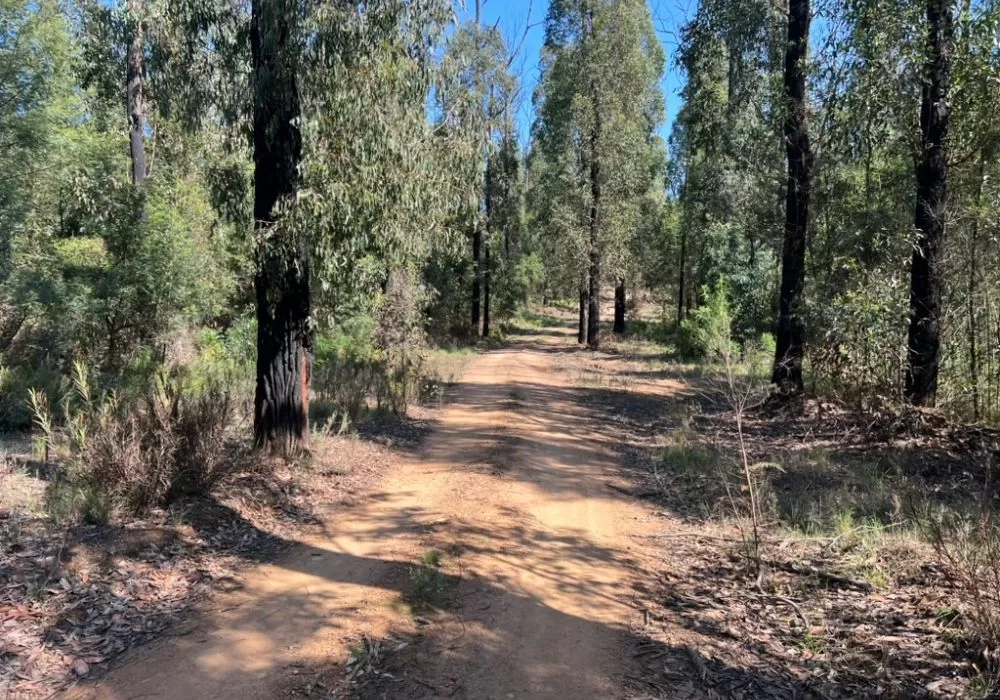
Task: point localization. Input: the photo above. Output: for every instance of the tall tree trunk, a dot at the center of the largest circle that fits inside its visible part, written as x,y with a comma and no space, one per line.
133,92
790,341
973,274
581,335
477,244
680,275
486,290
594,292
620,307
924,337
284,342
488,202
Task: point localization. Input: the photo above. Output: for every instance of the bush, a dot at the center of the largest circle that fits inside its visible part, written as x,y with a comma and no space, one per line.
133,454
15,383
346,370
399,338
707,334
968,548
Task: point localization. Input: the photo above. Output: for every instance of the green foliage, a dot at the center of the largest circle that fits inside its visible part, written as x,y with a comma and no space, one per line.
707,334
427,581
373,359
346,369
598,102
15,386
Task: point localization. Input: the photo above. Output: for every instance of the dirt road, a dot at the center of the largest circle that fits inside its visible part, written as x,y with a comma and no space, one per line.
539,555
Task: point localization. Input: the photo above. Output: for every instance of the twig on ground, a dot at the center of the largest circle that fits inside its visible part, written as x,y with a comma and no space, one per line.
808,570
697,661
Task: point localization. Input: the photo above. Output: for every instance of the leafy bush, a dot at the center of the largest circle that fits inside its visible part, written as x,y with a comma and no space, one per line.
346,370
15,383
399,338
707,334
377,359
131,454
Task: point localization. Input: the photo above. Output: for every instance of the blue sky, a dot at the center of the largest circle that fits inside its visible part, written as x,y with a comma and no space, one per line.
514,16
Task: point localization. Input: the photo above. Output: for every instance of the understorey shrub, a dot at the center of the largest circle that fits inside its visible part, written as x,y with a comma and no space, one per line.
373,360
400,339
698,337
968,548
121,455
346,368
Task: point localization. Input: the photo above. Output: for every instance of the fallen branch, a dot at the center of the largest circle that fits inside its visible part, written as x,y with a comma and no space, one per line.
696,535
697,661
807,570
647,493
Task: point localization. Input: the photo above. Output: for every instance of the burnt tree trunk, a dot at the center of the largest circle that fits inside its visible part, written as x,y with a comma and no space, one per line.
477,244
581,335
133,93
923,339
281,283
620,307
594,291
790,341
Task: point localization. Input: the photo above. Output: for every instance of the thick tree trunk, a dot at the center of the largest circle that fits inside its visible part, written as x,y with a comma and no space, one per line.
284,342
620,307
790,339
924,341
486,290
581,335
477,243
133,93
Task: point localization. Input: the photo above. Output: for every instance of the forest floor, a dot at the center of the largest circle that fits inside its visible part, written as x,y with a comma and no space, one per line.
556,529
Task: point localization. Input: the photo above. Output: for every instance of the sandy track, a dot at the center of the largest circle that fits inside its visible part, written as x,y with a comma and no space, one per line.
512,486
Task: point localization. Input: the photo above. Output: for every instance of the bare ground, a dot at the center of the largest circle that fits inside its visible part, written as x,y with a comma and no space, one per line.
536,544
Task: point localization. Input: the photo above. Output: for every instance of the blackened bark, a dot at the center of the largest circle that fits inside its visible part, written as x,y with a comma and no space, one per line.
594,291
594,301
620,307
477,243
281,283
581,335
790,339
486,290
924,341
133,93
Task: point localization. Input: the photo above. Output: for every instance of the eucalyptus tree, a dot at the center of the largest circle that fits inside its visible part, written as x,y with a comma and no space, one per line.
282,280
345,172
790,339
474,94
600,104
726,157
926,274
504,276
